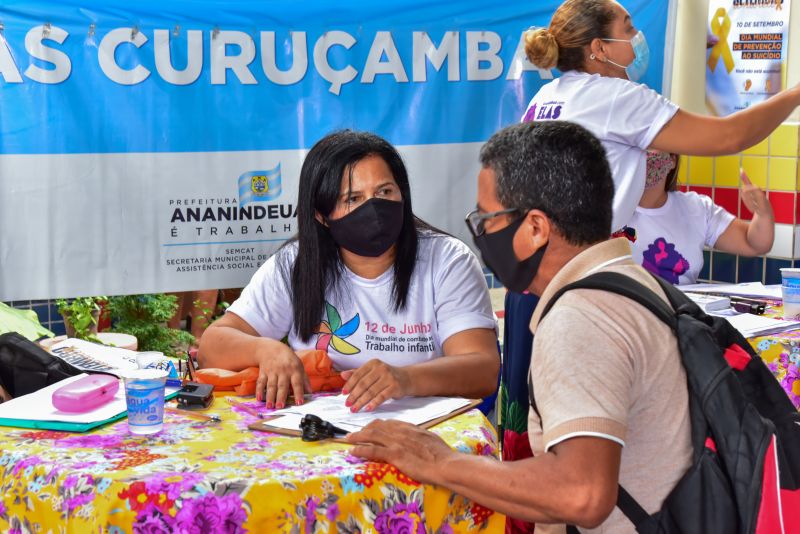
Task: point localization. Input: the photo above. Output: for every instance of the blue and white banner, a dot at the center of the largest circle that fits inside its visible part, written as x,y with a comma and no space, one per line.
156,146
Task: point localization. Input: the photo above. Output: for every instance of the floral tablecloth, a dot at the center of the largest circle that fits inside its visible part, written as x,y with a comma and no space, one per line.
781,353
198,477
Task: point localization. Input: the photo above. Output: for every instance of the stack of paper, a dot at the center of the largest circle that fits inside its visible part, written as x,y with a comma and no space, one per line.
710,303
757,325
415,410
749,289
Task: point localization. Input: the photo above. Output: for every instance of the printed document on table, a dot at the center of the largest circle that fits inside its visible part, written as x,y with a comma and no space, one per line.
93,357
415,410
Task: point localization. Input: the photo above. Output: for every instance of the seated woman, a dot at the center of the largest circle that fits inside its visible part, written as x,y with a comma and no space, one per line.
401,308
670,228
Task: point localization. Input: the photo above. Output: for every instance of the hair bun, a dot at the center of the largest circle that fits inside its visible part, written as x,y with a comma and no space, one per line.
541,48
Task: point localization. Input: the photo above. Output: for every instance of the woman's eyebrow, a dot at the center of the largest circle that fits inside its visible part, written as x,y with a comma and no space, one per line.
349,192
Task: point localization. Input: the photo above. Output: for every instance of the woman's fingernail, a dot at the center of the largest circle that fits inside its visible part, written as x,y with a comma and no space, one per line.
279,405
269,406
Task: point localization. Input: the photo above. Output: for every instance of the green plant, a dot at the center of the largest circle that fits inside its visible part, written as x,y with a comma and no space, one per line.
204,315
145,317
80,316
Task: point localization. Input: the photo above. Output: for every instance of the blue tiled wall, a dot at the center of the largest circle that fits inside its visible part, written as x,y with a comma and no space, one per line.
50,318
773,274
491,281
727,268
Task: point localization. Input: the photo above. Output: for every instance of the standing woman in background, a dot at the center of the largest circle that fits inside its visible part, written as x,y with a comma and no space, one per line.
601,56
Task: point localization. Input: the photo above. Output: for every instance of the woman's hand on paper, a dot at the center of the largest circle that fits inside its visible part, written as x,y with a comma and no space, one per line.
280,373
413,450
374,383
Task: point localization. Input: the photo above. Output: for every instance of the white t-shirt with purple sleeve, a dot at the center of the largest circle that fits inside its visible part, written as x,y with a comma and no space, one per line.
624,115
669,240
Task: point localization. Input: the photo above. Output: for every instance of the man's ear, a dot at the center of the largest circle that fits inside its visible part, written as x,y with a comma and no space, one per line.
540,227
320,219
534,233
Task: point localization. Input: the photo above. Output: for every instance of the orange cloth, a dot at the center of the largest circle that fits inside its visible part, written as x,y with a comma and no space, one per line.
320,371
241,382
317,364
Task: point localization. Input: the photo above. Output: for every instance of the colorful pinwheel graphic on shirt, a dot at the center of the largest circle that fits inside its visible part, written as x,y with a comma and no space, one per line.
332,332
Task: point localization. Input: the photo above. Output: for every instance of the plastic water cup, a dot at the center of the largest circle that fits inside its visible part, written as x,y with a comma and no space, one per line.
152,359
144,394
790,288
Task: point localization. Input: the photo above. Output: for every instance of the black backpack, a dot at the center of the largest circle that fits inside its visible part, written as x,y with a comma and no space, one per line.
25,367
745,432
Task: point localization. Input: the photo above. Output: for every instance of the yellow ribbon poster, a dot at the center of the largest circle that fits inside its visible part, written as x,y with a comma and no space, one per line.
746,51
721,27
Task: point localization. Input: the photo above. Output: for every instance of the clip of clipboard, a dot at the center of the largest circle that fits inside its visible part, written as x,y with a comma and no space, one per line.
264,426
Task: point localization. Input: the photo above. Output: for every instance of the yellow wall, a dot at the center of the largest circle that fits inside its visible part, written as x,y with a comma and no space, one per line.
772,164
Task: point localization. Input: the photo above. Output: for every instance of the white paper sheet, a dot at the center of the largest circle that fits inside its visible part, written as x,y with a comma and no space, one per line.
749,289
757,325
415,410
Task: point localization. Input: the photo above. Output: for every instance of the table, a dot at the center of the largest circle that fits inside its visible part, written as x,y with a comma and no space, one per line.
781,353
197,476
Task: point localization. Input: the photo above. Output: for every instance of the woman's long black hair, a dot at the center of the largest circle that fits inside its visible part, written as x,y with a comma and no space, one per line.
318,266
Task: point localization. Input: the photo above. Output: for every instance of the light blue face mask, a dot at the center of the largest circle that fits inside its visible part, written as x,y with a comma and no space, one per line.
641,58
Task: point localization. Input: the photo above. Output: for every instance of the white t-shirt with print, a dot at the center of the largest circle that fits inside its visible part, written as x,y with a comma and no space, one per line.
670,239
624,115
447,295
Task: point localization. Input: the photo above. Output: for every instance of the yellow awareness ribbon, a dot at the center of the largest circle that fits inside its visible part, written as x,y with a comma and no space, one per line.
721,30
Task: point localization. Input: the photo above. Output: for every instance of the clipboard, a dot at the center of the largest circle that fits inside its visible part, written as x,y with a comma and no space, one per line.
264,426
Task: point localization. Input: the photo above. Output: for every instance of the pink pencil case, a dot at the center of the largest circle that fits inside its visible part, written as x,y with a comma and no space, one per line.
86,394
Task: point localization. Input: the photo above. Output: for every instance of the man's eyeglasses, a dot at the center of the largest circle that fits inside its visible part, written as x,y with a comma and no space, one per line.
476,221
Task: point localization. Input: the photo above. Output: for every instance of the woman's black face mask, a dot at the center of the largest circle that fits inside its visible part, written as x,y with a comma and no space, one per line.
369,230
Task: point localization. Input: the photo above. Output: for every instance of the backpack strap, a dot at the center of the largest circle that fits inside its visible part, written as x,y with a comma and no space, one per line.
630,507
630,288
